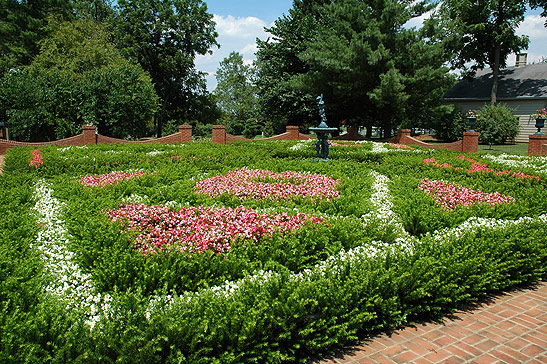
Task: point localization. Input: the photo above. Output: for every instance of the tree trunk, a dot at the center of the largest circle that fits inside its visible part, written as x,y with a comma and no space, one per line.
495,74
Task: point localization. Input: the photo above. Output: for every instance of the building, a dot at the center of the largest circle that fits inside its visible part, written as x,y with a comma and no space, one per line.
523,88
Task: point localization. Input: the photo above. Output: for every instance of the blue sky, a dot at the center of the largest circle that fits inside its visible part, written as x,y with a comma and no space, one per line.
240,22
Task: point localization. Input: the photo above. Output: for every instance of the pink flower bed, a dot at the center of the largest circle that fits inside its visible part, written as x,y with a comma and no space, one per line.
109,178
477,167
400,146
450,196
196,229
36,160
262,184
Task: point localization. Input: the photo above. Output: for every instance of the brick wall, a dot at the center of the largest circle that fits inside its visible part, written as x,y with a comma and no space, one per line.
89,135
469,143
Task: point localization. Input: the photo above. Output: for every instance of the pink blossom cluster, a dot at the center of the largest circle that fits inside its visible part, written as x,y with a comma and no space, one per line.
450,196
400,146
36,160
478,167
334,144
196,229
109,178
263,184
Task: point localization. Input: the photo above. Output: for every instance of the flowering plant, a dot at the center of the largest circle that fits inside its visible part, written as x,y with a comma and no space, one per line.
472,114
263,184
109,178
540,113
36,159
201,228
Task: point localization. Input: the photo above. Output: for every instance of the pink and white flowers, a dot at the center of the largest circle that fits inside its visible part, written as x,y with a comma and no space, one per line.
109,178
450,195
264,184
196,229
36,159
477,167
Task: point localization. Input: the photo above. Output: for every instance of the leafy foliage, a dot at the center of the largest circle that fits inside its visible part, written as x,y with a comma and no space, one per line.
164,37
371,70
23,24
235,92
78,79
482,33
280,299
497,125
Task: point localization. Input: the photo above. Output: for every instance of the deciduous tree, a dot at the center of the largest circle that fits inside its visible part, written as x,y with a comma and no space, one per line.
482,33
235,92
78,78
164,36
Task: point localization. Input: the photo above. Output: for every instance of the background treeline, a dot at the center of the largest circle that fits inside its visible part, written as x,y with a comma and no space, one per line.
128,66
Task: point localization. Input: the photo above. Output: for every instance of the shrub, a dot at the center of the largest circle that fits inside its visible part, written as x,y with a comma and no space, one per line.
450,126
497,125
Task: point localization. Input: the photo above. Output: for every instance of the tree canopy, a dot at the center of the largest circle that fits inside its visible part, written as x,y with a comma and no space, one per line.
79,78
482,33
235,91
371,70
164,36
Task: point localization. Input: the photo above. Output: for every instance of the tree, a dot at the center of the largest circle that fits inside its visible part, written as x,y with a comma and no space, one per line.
371,70
98,10
164,36
534,4
278,62
482,33
23,25
235,92
78,78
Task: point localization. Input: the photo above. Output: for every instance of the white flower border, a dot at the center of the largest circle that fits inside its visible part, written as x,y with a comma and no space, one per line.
64,277
76,288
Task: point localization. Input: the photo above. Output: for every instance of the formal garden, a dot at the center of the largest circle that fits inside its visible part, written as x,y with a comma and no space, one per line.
252,252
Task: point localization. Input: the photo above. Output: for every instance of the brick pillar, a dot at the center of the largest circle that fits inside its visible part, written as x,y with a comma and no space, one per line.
470,142
536,143
402,134
219,134
185,132
293,132
90,134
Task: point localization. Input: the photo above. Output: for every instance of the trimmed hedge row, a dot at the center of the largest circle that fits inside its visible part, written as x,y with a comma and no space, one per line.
381,259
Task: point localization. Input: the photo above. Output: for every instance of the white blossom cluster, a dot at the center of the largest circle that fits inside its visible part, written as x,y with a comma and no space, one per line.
155,152
382,215
304,144
536,163
71,147
134,198
475,224
63,275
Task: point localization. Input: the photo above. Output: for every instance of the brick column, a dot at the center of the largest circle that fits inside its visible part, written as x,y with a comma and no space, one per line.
293,132
402,134
185,132
536,144
470,142
90,134
219,134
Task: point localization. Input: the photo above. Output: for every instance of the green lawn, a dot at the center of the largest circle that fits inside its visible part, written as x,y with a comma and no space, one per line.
517,148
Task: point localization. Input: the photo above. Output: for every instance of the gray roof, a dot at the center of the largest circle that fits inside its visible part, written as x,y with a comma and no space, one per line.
514,82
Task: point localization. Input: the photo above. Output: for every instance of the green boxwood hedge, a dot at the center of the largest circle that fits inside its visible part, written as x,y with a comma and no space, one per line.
385,256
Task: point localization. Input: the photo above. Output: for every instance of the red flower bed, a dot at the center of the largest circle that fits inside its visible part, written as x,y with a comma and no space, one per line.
196,229
262,184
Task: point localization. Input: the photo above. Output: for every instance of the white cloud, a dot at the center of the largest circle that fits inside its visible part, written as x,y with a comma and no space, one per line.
234,35
239,28
533,26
